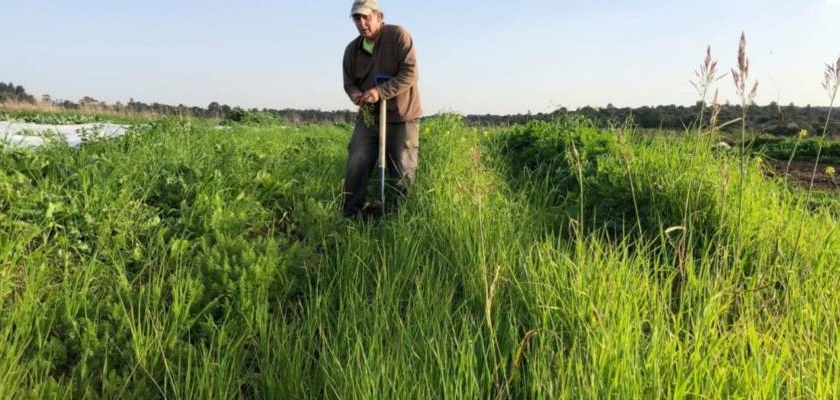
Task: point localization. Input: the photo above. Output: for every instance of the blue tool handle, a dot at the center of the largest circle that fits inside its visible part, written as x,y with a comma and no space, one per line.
379,79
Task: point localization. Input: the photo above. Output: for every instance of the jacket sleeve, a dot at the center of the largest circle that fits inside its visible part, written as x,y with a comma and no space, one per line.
348,66
407,75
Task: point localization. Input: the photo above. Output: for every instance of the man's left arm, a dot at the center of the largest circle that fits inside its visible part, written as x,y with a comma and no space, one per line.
407,75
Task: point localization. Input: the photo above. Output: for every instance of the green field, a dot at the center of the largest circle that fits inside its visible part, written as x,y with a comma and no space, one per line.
547,260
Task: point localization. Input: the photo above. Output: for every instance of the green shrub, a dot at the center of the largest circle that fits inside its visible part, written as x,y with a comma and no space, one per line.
251,118
570,155
806,150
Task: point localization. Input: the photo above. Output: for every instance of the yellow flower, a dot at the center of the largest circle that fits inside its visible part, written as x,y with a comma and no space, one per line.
803,134
829,170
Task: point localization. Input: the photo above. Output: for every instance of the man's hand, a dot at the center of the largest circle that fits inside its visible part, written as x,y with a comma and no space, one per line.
371,96
356,98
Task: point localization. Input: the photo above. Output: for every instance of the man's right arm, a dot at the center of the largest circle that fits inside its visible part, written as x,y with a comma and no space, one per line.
350,87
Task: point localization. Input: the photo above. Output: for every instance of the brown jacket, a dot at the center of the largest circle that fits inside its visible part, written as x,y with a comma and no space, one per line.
393,55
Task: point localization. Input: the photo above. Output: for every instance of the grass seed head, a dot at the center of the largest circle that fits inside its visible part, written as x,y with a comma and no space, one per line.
832,78
737,79
743,61
706,74
741,75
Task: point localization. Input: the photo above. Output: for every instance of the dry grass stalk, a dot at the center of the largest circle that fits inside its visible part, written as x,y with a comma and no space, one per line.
741,77
51,107
523,345
491,293
715,111
14,106
830,83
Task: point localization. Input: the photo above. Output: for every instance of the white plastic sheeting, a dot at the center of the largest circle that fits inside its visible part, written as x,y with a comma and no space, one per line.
31,135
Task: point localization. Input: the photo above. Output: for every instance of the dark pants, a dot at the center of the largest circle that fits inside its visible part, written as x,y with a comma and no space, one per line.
401,146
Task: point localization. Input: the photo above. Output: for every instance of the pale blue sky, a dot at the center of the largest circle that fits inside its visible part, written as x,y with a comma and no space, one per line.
487,56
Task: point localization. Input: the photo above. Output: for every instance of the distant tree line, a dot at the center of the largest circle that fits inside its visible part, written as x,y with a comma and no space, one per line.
213,110
11,93
771,118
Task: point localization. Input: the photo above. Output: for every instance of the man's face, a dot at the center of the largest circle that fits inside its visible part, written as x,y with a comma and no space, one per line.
368,25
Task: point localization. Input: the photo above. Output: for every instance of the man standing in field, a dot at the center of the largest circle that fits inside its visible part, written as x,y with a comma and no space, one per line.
380,50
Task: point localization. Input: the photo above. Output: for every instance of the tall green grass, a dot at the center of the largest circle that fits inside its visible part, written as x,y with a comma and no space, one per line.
552,260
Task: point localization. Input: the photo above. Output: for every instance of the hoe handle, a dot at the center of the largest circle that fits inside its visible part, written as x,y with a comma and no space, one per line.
382,125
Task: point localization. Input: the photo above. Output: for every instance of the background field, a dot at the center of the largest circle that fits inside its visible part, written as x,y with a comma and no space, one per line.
545,260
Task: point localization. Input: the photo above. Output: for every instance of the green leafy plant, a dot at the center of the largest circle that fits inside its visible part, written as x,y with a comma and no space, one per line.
366,111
